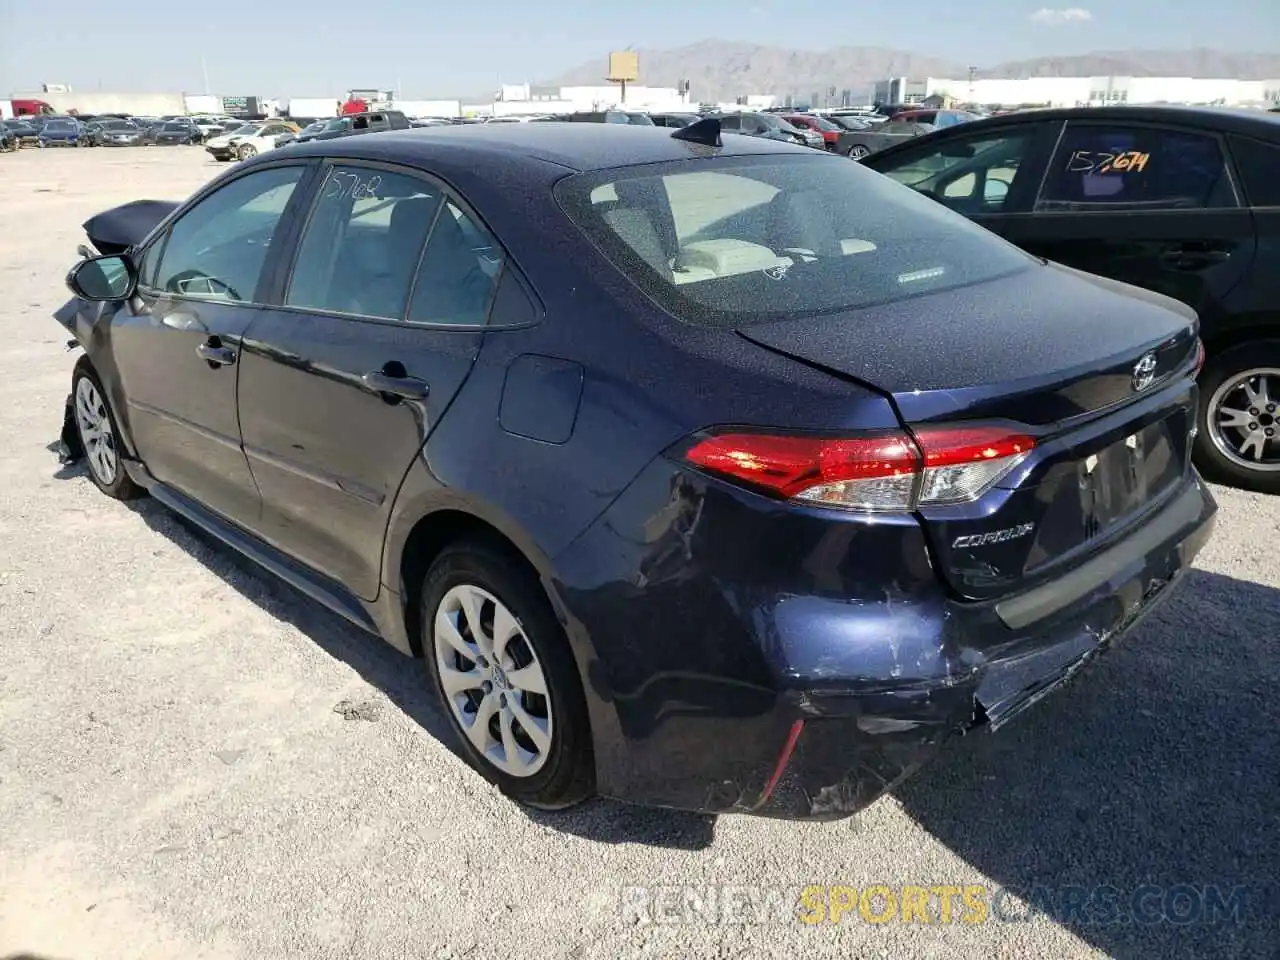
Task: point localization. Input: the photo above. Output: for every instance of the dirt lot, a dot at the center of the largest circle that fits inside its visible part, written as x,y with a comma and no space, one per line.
197,762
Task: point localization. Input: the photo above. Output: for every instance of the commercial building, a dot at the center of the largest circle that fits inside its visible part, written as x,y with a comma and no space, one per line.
1082,91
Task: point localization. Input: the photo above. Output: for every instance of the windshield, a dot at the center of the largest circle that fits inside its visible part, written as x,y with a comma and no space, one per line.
826,126
174,127
780,124
56,125
247,130
338,123
118,125
766,238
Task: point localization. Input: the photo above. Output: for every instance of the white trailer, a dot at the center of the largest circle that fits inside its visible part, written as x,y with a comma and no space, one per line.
6,110
317,107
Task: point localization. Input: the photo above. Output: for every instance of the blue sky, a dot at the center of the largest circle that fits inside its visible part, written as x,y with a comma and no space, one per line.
444,47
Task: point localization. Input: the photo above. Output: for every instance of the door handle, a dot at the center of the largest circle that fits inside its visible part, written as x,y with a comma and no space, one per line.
1191,258
213,351
386,384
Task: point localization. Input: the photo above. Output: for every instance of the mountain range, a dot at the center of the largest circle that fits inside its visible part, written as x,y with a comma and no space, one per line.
719,70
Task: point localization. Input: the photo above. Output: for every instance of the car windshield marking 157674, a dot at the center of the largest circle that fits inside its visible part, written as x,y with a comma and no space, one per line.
713,473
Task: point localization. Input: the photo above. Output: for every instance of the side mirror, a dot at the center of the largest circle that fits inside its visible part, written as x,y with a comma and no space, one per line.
102,279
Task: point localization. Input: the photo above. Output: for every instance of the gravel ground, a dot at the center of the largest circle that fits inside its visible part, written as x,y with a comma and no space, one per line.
197,762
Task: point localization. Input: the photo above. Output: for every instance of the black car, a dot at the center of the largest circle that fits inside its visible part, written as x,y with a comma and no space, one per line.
714,473
1182,201
23,132
675,120
176,132
115,133
862,143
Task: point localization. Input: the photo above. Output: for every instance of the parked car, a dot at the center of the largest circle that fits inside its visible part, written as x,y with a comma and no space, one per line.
683,475
938,119
63,132
849,121
828,131
25,134
862,143
770,127
1179,200
626,117
115,133
675,120
357,123
8,140
249,141
176,133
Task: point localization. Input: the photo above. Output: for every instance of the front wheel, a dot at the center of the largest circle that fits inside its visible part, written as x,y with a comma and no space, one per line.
246,151
1238,441
99,435
502,667
858,151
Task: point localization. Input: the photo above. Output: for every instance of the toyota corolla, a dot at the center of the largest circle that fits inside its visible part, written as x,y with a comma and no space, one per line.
715,474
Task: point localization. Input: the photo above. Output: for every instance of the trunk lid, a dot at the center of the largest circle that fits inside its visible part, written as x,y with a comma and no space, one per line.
1098,372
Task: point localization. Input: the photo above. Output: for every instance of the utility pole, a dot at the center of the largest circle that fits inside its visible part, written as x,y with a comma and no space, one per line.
204,69
973,72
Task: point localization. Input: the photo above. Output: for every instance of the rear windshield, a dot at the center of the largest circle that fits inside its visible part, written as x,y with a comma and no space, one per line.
723,242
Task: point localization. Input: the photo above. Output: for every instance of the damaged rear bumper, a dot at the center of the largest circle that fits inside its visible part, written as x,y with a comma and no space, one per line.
846,747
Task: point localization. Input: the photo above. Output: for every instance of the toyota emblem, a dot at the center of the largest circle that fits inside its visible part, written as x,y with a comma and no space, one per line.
1144,372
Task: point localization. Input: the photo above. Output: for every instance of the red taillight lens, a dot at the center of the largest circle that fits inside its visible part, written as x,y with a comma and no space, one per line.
885,472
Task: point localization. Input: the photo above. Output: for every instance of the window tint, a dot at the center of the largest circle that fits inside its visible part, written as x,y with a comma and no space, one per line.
765,238
1135,168
1258,164
362,242
459,272
219,246
973,175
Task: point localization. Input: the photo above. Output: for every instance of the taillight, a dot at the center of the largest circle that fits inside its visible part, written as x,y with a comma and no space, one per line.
888,472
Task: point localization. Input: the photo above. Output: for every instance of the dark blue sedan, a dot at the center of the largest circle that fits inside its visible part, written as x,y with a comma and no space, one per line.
722,475
63,133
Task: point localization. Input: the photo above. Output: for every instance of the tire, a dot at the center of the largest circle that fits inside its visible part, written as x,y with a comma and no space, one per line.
559,772
92,414
858,151
1235,448
247,151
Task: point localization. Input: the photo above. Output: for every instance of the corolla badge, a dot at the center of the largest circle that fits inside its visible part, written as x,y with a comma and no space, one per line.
1144,372
992,536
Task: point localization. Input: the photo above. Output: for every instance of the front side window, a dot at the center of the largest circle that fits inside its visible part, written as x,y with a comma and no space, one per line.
218,248
363,242
1103,167
766,238
973,174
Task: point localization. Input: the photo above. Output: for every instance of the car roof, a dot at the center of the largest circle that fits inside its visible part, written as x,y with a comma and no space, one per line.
1233,120
575,146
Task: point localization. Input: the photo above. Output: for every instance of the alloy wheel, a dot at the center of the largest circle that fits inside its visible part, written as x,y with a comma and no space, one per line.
857,152
1244,419
95,432
492,680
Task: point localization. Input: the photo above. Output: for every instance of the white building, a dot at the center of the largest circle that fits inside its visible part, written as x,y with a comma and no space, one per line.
523,99
1082,91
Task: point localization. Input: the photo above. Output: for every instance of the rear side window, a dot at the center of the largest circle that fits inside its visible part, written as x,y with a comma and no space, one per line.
1108,168
764,238
362,243
459,272
1259,166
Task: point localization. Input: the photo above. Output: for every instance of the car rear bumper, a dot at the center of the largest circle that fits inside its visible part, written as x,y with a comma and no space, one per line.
801,705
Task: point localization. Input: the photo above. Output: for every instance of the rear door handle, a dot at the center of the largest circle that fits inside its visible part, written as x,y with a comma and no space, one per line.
409,388
1191,258
216,353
